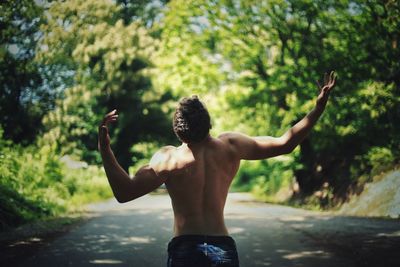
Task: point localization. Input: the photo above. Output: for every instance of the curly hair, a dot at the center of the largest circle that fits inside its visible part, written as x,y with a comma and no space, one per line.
191,120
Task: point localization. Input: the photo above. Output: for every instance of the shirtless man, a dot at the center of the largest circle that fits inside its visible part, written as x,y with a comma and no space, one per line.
198,174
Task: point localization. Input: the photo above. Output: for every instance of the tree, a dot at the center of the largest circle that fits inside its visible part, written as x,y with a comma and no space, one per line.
25,96
110,61
260,59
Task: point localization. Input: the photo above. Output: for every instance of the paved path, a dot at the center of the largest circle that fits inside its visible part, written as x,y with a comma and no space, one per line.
137,233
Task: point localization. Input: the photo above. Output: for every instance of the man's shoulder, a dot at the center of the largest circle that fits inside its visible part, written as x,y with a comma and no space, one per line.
230,141
230,137
166,149
162,154
159,161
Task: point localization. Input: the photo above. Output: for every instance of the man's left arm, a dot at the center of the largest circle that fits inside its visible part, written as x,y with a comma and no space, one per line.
262,147
124,187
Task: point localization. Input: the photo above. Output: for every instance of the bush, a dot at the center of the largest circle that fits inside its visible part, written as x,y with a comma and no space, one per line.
372,163
35,184
380,159
266,179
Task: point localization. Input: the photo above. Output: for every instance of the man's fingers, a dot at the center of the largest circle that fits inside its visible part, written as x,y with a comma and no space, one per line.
111,113
319,86
333,82
114,117
331,76
110,118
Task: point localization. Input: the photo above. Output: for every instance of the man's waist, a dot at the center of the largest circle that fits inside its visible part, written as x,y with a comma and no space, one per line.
202,239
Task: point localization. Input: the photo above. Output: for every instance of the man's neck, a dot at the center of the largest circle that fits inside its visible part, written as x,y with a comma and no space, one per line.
198,144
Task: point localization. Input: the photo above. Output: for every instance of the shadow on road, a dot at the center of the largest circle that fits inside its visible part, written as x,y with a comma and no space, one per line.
363,241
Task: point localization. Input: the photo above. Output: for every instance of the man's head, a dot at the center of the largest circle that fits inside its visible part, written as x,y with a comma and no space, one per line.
191,120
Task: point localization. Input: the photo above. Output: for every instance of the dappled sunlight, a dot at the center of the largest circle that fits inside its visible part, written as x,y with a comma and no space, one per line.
293,218
112,226
302,225
309,238
152,203
166,215
393,234
282,251
137,240
106,261
262,263
323,217
235,230
238,216
120,238
305,254
25,242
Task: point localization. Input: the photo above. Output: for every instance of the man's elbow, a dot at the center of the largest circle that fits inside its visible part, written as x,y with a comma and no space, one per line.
123,198
288,148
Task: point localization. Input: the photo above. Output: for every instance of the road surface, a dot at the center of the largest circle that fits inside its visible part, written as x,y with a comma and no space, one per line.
137,233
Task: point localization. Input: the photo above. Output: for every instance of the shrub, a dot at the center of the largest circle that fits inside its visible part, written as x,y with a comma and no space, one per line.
34,184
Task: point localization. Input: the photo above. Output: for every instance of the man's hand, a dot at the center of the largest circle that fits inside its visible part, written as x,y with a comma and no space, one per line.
104,137
329,83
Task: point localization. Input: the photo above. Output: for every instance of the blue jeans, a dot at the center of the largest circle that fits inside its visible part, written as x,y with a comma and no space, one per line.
202,251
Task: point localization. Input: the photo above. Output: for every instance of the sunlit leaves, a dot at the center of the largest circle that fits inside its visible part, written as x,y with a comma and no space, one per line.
379,99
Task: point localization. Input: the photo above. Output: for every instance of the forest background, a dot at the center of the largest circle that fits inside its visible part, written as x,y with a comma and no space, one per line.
64,64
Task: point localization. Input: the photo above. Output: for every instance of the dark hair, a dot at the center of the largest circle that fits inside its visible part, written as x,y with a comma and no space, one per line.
191,120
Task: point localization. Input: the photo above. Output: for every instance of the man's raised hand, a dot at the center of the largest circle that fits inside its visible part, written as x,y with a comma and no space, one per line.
104,137
329,83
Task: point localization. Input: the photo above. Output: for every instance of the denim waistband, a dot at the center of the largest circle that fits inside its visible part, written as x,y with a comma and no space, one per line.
211,239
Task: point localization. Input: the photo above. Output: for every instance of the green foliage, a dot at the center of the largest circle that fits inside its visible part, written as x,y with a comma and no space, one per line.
35,184
86,186
111,63
142,153
24,94
270,180
380,158
376,161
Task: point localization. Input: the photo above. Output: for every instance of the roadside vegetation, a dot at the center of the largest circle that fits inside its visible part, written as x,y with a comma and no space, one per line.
36,184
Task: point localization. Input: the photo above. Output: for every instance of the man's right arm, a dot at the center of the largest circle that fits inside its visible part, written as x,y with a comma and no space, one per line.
124,187
253,148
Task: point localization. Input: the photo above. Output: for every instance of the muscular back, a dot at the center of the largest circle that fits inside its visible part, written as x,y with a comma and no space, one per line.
198,178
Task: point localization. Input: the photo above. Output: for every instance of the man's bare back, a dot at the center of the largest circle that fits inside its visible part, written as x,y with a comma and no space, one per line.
198,177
